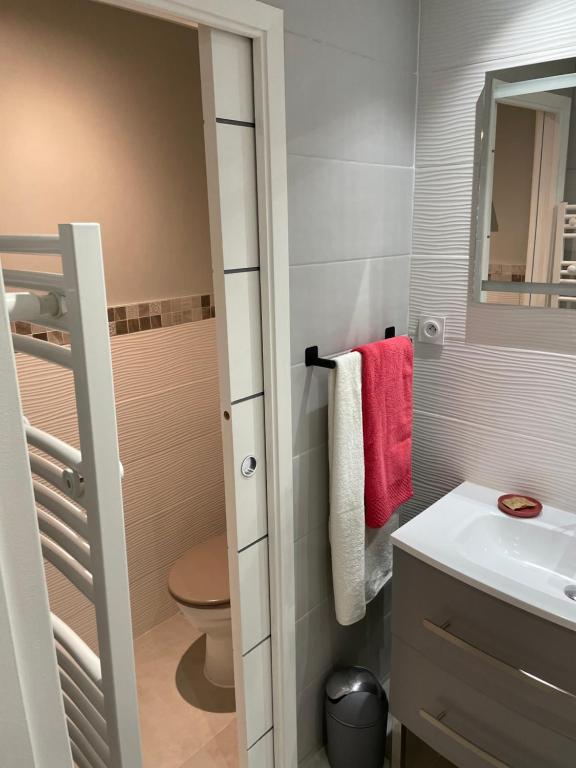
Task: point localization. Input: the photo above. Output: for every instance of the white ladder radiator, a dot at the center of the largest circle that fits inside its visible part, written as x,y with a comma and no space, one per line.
78,492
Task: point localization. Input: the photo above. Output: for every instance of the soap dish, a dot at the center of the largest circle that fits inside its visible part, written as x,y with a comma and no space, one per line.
526,511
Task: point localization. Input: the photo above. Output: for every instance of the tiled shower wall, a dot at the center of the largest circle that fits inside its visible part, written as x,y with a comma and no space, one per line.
167,405
488,414
351,92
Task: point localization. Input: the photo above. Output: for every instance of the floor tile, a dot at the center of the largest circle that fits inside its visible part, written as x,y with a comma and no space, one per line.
220,752
184,720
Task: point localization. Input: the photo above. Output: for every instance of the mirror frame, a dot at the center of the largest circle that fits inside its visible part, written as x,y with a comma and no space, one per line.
507,92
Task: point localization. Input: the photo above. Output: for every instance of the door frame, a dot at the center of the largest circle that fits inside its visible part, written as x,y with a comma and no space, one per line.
264,24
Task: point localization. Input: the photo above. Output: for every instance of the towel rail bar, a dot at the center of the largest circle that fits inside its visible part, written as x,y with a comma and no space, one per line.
78,494
90,713
312,358
65,480
89,755
65,537
54,447
30,244
82,654
45,350
86,729
38,281
75,672
68,566
72,516
79,758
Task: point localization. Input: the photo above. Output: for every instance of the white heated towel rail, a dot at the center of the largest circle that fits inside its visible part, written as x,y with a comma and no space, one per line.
565,232
78,492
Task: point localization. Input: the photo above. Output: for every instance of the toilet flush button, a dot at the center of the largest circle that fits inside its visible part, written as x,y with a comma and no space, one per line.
248,466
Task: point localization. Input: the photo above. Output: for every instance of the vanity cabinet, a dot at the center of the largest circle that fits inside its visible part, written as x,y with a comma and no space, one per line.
483,682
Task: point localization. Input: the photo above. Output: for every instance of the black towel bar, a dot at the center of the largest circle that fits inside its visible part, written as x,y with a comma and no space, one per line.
311,357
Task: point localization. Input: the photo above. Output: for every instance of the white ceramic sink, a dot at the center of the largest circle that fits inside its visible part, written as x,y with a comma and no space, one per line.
528,563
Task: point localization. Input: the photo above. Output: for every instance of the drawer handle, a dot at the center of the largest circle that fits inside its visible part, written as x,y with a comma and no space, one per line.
436,722
495,662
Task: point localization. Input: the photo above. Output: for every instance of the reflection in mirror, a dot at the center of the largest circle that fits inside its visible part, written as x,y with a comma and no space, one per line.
526,219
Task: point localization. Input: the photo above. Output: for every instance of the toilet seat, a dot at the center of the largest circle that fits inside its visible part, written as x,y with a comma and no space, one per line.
200,577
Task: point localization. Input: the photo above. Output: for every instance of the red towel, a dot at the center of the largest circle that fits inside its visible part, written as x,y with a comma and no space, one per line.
387,368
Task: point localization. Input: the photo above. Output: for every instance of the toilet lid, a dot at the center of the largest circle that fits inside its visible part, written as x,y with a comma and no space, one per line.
200,577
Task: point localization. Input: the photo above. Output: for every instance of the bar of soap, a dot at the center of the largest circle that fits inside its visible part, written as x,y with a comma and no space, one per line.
518,502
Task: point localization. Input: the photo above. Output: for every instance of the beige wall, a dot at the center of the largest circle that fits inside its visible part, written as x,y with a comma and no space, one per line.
166,386
101,120
512,191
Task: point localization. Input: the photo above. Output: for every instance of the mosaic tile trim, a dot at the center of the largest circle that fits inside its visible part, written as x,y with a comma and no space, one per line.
134,318
131,318
515,273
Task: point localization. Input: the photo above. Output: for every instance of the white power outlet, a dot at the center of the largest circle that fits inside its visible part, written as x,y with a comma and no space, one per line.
431,329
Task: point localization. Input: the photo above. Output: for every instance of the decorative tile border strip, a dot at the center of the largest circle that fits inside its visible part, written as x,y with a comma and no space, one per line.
133,318
515,273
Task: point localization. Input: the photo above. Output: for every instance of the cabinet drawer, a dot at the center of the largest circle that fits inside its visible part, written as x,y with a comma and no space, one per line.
518,659
463,724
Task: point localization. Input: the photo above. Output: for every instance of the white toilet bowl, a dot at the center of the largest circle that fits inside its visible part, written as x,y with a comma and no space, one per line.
216,624
198,582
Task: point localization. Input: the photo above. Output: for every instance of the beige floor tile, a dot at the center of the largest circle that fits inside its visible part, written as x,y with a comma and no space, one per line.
180,712
221,752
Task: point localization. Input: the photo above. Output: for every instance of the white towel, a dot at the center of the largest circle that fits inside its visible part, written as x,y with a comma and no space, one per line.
361,556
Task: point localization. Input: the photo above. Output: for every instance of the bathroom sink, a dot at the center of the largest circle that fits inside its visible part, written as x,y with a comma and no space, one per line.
530,563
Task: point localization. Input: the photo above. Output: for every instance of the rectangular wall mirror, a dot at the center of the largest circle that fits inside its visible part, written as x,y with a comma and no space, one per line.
525,253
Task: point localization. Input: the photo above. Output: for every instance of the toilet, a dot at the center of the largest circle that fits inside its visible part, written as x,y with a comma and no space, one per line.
198,582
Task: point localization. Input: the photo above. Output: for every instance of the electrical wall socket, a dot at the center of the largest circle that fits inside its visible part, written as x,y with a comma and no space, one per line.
432,329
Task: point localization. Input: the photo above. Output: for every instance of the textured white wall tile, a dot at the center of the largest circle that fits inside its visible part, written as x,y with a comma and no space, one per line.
489,414
347,303
160,536
361,211
448,451
351,108
442,210
448,103
446,123
156,359
439,286
457,32
255,594
157,421
172,475
511,390
550,330
238,200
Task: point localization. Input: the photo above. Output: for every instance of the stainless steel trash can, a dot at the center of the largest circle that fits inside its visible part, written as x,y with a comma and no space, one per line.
356,708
